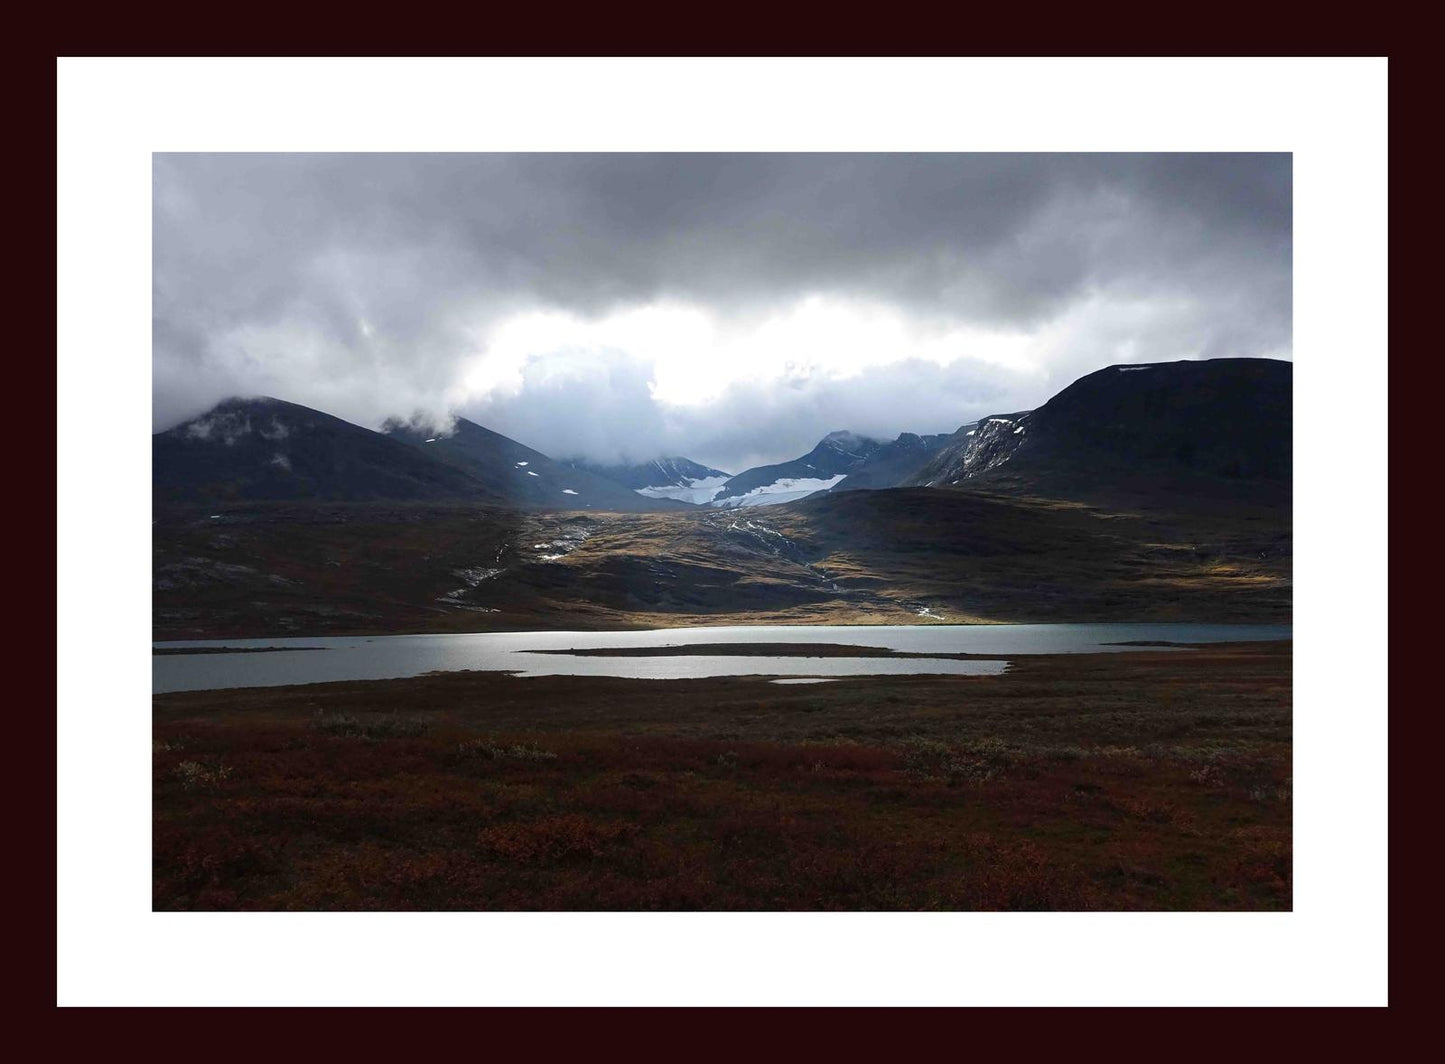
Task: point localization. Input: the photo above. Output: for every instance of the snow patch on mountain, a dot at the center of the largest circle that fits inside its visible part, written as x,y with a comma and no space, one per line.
828,463
788,489
694,490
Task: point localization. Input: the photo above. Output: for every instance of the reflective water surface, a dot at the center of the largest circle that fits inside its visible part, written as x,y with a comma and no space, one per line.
390,657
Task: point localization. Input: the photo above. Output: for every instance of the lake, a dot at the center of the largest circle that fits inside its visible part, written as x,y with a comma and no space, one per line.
332,659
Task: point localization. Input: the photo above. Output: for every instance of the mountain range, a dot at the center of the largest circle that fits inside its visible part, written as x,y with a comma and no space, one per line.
510,472
265,449
1138,492
1179,426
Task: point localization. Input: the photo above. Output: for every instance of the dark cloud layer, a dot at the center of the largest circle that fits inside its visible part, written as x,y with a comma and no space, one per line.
368,285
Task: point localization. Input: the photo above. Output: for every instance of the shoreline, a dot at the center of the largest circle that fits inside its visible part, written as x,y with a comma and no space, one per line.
742,623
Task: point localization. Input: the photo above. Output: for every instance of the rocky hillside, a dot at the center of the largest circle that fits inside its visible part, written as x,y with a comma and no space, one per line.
894,463
1186,426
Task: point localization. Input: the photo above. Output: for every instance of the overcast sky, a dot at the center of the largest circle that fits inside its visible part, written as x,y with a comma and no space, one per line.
731,308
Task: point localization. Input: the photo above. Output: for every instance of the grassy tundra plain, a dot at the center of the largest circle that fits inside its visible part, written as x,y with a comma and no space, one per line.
1134,780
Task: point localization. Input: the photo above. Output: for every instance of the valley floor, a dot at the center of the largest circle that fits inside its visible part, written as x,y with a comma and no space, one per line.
1120,781
866,557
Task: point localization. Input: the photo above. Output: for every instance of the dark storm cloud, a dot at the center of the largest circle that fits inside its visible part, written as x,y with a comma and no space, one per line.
366,284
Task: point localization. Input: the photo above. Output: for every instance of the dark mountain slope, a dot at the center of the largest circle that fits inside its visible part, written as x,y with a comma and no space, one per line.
1216,426
893,463
260,449
519,475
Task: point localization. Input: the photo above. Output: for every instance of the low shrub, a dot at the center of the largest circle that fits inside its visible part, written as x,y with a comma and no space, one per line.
975,762
194,774
488,749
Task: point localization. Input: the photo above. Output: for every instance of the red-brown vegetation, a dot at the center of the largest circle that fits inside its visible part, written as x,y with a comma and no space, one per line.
1011,792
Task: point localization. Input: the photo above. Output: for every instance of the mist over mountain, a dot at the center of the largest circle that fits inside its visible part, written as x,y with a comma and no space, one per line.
518,474
264,448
